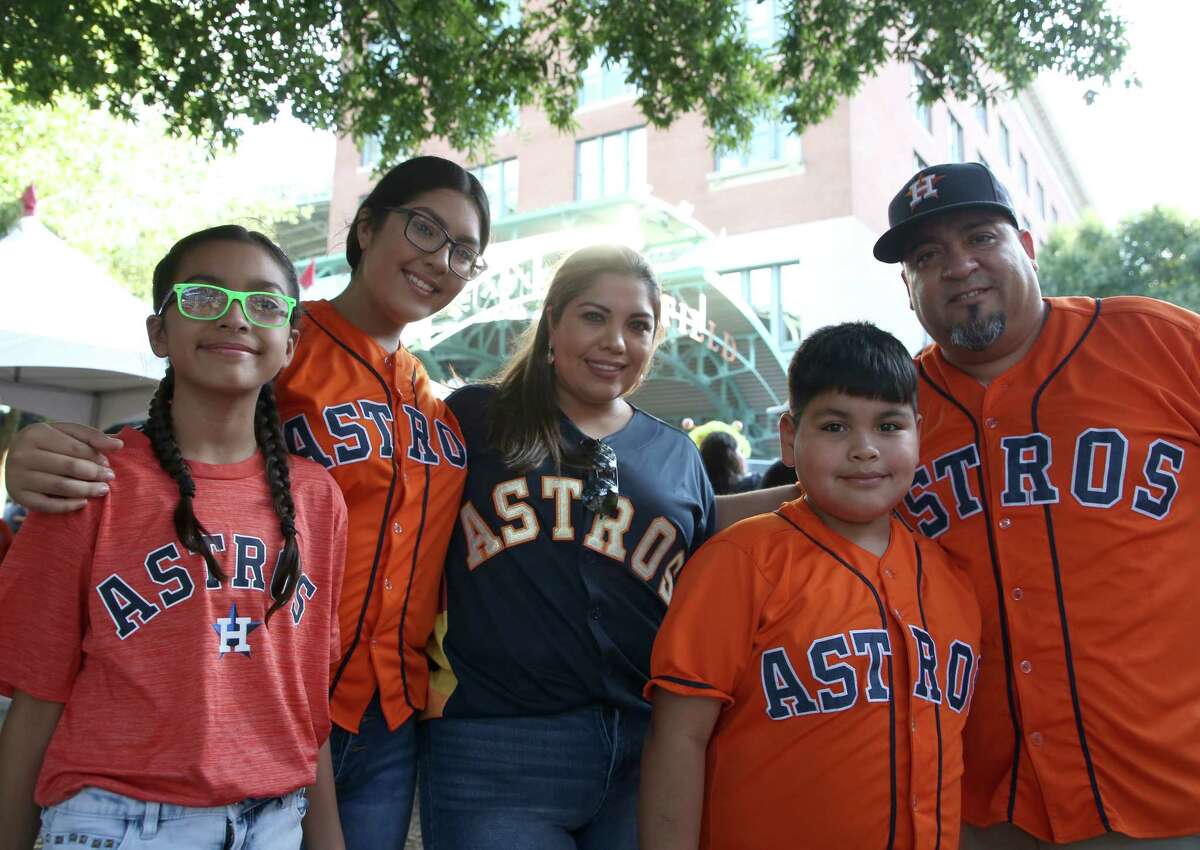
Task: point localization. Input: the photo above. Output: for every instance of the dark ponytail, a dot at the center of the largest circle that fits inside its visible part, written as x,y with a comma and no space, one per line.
268,432
159,430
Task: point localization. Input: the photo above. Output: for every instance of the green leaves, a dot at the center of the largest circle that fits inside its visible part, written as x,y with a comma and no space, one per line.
1154,253
121,193
410,70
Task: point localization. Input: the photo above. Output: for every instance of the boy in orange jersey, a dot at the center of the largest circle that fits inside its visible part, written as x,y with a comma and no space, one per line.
814,671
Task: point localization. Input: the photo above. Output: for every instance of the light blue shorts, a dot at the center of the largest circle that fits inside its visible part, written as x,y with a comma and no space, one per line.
106,821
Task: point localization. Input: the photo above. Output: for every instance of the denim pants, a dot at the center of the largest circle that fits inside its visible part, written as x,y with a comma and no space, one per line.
95,818
375,774
566,782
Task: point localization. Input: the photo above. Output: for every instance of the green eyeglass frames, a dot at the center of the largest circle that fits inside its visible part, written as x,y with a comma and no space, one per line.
208,302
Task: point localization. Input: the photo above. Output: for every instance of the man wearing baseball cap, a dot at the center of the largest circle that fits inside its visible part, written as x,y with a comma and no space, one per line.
1054,444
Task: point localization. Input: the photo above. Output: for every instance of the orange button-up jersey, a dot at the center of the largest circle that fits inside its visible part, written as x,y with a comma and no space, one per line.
1062,486
845,679
396,451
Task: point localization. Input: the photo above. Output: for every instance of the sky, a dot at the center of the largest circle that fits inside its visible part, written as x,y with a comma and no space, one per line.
1136,147
1133,147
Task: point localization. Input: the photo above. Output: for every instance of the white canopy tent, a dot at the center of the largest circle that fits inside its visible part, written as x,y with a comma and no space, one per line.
72,340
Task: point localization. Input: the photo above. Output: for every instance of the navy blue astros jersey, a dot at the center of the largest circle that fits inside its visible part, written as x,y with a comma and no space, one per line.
549,606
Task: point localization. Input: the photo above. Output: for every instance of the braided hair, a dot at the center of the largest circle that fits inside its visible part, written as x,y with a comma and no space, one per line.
268,432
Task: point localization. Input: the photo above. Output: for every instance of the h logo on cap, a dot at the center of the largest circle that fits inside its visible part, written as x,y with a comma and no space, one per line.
923,187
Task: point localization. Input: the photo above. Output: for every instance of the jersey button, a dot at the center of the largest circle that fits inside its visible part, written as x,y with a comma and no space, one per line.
1026,667
1035,738
1017,593
594,613
397,527
992,422
887,573
1005,522
913,725
387,584
914,802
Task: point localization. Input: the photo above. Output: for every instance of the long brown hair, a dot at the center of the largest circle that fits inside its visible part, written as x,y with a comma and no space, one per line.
524,417
268,432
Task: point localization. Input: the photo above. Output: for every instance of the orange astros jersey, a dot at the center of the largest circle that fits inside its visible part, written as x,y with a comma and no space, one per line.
1064,487
397,453
845,679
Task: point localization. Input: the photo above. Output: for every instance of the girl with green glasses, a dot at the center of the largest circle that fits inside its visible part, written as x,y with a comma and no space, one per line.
168,647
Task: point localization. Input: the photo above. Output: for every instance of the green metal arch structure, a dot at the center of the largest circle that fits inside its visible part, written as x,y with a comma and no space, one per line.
717,361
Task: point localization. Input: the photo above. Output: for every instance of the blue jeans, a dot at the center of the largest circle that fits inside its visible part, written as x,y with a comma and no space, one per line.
375,773
97,818
566,782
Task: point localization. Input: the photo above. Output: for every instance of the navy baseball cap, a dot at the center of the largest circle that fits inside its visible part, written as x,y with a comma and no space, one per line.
938,189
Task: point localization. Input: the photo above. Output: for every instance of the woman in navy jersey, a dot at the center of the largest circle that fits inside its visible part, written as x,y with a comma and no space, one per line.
579,510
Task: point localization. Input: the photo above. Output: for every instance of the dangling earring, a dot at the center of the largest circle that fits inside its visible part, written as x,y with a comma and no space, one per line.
550,354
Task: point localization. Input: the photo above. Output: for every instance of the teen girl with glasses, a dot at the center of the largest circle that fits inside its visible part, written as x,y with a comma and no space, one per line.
168,647
354,400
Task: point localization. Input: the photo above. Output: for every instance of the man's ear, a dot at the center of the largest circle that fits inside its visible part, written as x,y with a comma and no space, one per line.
1026,239
907,288
156,332
787,438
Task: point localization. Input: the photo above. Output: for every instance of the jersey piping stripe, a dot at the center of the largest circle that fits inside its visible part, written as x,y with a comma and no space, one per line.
937,708
412,572
1010,687
891,843
1058,588
688,683
387,509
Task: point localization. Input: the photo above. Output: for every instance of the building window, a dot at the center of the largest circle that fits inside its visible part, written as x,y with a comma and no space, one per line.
610,165
762,288
772,141
764,23
922,111
1005,144
958,148
1041,200
1026,224
604,80
919,162
1024,173
1054,214
500,182
981,112
370,154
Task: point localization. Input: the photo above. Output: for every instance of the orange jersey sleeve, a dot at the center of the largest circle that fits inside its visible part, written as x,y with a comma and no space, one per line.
845,680
397,453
